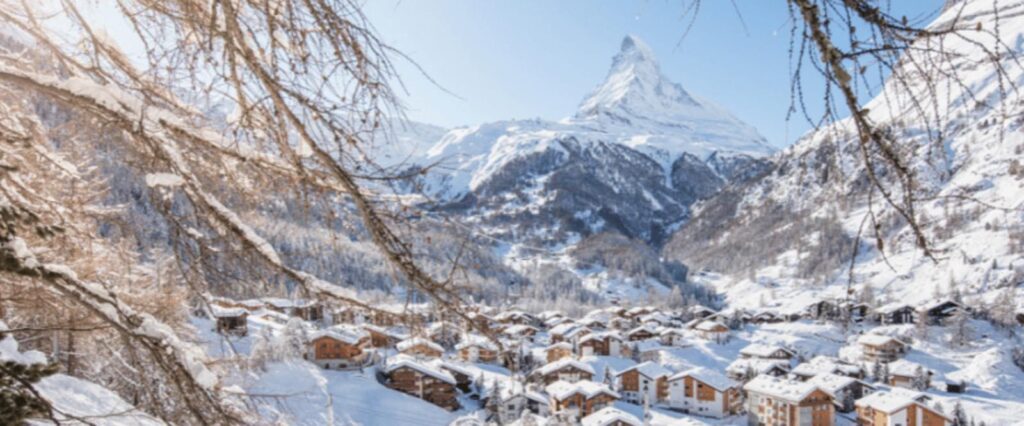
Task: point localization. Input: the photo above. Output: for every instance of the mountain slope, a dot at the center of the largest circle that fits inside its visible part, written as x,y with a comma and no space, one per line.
632,160
789,235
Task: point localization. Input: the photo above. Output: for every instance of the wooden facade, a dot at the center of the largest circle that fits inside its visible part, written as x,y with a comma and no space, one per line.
426,387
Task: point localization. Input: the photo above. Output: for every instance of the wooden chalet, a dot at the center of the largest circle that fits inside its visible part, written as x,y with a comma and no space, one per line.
230,321
895,314
427,382
642,332
338,347
420,347
762,351
557,351
477,349
579,399
876,347
603,343
844,390
894,408
566,369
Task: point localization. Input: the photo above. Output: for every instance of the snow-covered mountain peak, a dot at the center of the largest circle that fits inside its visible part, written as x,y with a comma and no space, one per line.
634,83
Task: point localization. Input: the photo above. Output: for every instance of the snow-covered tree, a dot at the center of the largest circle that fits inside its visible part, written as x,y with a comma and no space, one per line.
959,415
920,381
1003,308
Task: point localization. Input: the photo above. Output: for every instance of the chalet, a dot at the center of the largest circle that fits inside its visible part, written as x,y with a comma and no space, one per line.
520,331
673,337
549,315
761,351
429,383
896,314
381,337
480,321
420,347
566,369
464,374
567,333
306,309
766,317
745,368
876,347
230,321
642,380
606,343
844,390
557,351
620,323
610,416
514,398
250,305
823,309
637,312
903,373
704,392
444,333
713,331
655,319
700,311
642,332
940,311
857,311
896,409
824,364
516,317
556,321
384,317
579,399
775,401
475,348
593,323
338,347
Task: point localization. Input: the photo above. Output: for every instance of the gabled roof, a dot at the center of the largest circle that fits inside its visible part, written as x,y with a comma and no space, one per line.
648,369
872,339
518,329
784,389
559,345
708,376
890,402
759,365
610,416
405,361
561,389
558,365
644,327
600,336
832,383
347,334
563,328
708,325
417,341
824,364
902,367
478,341
763,351
222,312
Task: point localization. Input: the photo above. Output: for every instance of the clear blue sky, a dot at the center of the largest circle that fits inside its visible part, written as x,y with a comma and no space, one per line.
539,58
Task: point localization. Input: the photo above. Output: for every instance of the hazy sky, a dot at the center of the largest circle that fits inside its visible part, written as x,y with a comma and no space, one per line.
539,58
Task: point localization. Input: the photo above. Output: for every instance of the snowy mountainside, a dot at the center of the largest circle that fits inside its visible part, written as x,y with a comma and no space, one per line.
630,160
786,238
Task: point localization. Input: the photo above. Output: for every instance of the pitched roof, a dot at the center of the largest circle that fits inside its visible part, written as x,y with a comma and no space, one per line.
902,367
476,340
221,312
708,376
877,339
648,369
824,364
347,334
405,361
562,389
759,365
763,351
557,365
610,416
785,389
417,341
890,402
831,383
708,325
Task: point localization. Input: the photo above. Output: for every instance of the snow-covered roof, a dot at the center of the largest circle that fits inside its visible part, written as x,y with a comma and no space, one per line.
708,376
510,389
562,328
831,383
464,369
708,325
785,389
892,401
667,331
649,369
760,350
696,309
872,339
562,389
904,368
641,328
383,330
518,329
552,367
282,303
601,336
222,312
892,307
478,341
347,334
417,341
759,365
400,361
551,314
577,332
610,416
824,364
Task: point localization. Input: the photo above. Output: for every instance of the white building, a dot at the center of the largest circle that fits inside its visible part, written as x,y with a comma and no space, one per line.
704,392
